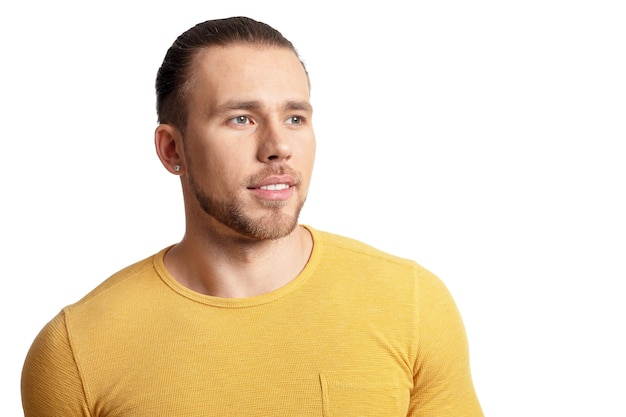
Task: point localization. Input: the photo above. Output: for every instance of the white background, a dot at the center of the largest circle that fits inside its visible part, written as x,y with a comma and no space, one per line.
484,139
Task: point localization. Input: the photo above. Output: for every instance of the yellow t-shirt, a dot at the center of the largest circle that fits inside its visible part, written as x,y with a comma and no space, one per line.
358,333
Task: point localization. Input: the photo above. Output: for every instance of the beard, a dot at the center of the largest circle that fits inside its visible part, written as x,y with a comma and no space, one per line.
232,214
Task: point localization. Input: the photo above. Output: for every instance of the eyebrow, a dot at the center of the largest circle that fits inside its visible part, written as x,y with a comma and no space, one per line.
254,105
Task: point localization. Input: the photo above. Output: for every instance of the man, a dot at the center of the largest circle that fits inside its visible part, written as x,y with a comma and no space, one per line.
250,314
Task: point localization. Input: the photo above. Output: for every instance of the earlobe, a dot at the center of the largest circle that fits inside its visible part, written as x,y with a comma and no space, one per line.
168,143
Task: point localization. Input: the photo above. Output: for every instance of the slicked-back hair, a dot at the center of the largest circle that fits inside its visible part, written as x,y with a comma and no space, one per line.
175,76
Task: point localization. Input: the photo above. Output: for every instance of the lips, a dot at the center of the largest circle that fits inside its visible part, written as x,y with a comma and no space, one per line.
274,187
274,183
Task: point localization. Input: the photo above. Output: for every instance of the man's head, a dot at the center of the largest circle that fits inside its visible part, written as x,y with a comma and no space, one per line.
236,126
175,76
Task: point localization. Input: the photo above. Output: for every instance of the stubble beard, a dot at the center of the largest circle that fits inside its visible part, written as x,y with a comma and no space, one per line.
232,214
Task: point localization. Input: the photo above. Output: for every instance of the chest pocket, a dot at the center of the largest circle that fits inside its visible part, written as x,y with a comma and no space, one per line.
353,394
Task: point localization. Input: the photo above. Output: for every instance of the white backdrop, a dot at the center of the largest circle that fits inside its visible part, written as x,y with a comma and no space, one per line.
484,139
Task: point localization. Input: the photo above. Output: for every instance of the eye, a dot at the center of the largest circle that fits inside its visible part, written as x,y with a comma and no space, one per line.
241,120
294,120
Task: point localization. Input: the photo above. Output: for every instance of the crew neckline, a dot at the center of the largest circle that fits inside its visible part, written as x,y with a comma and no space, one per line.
244,302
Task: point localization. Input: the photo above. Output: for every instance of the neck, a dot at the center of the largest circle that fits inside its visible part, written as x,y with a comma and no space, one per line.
235,267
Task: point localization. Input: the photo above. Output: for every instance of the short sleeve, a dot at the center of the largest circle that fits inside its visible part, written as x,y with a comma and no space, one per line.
51,384
443,384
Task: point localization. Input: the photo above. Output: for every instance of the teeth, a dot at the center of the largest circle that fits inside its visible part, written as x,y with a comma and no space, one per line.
275,187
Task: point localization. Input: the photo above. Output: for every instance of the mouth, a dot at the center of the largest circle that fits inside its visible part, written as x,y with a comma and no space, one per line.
277,188
274,187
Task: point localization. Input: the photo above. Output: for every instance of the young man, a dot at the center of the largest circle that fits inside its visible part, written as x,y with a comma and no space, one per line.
250,314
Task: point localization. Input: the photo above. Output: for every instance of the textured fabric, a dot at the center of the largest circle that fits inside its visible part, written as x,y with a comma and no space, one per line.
357,333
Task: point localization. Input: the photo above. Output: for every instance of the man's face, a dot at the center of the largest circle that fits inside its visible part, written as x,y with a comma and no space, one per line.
249,144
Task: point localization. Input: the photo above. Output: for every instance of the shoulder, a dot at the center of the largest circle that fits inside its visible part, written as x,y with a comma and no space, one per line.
351,250
125,291
131,276
354,259
107,293
348,246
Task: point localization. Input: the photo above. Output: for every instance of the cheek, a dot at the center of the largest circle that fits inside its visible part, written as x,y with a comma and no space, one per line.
219,161
310,155
306,148
307,171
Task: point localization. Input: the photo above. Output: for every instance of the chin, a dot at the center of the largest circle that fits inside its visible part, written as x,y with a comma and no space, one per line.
273,228
275,225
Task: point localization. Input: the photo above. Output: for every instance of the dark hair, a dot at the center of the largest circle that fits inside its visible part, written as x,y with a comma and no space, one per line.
174,77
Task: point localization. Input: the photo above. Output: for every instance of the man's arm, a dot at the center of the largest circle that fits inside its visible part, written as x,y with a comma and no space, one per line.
443,384
51,384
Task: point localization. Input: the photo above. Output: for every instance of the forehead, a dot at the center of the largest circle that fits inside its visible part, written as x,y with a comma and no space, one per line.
247,70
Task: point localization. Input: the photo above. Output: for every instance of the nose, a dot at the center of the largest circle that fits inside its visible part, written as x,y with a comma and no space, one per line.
274,145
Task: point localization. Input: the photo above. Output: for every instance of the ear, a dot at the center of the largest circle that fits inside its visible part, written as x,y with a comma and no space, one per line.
169,148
